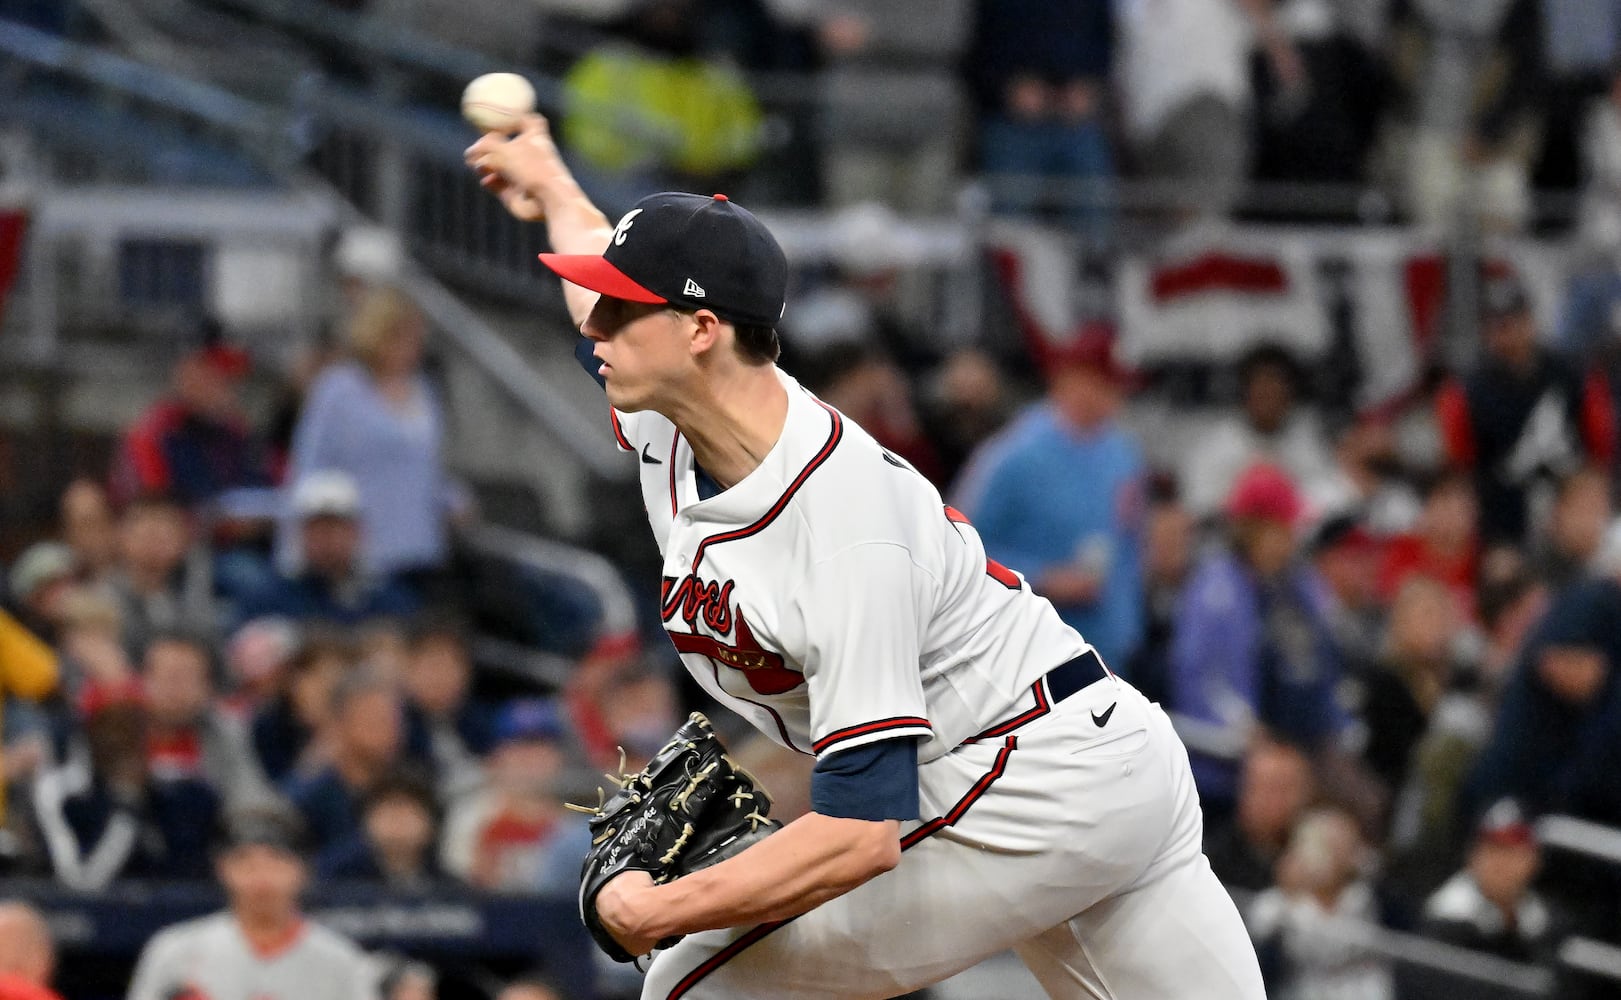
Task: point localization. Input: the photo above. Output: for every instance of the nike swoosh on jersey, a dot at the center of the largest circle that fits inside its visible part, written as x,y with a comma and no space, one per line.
1103,720
649,459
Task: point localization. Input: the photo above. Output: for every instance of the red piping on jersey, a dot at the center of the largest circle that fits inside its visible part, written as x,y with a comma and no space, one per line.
1043,706
969,797
673,442
788,494
782,728
909,841
619,432
868,728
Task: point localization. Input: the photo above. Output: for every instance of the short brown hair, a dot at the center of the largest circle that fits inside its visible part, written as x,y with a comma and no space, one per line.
757,345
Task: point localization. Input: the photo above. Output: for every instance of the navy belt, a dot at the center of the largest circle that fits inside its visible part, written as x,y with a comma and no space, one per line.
1054,686
1069,677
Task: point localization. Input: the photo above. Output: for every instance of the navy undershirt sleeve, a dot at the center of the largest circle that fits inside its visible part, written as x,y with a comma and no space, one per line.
590,362
873,782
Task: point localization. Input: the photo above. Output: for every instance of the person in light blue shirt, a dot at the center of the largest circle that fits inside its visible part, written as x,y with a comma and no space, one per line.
1058,496
378,419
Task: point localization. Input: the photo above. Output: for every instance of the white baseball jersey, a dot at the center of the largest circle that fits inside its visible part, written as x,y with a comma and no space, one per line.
210,958
831,598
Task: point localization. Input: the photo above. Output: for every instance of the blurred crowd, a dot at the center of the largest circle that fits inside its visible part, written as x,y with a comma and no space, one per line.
235,619
1454,112
1389,636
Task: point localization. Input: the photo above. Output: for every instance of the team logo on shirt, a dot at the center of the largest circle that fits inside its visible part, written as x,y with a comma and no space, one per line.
694,600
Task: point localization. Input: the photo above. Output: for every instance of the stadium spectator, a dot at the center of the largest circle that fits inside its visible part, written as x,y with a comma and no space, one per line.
1575,528
377,418
639,711
285,728
1581,48
651,111
41,581
1490,906
1397,697
531,986
1523,416
27,954
399,821
1319,127
1468,85
1444,545
964,402
869,387
1168,551
1184,87
1512,602
1252,649
1299,924
366,740
457,729
1270,427
407,979
516,836
85,517
1040,71
256,661
189,736
1346,558
1274,790
1556,743
160,583
1367,481
194,444
1059,495
331,583
901,151
28,673
262,937
94,660
103,815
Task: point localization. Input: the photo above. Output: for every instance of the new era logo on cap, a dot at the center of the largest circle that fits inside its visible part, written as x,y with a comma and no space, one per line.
687,250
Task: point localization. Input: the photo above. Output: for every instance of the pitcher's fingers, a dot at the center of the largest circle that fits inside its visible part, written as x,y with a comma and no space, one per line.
486,144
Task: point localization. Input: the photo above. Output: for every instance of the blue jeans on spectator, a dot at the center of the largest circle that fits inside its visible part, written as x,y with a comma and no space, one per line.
1021,156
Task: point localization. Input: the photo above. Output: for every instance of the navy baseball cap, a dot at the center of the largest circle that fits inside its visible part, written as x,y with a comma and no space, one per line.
528,719
691,252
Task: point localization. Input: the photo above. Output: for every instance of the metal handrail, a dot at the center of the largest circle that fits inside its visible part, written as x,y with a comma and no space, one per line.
1580,836
463,328
200,100
1415,949
596,572
1593,957
387,40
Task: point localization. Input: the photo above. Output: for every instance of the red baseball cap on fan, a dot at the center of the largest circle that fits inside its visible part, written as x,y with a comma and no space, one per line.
1093,348
1265,492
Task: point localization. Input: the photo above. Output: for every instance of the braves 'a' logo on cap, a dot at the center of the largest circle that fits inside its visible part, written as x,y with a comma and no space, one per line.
624,226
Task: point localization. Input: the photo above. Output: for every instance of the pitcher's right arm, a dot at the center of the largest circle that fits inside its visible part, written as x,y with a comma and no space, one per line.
528,174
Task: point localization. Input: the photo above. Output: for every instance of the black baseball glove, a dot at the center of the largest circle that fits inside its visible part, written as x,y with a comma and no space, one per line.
690,807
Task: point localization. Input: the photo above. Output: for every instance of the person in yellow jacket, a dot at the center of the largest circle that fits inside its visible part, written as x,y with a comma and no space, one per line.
27,670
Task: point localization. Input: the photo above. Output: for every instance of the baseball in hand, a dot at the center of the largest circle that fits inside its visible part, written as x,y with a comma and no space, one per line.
497,102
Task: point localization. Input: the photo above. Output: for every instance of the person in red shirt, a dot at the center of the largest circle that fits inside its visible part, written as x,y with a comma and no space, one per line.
27,954
1445,545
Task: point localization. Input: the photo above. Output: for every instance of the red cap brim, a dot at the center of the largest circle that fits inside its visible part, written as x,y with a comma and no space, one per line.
595,273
